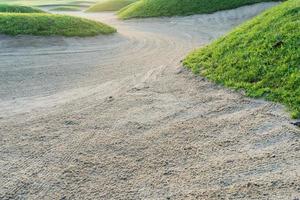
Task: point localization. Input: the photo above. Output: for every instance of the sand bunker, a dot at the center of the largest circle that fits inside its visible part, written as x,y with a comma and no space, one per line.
117,117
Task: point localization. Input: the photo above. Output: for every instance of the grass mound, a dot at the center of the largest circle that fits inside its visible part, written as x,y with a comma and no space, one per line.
50,24
48,2
110,5
18,9
261,56
66,8
156,8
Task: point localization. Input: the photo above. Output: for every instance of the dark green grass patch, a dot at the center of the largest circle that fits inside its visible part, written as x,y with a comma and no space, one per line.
50,24
156,8
109,5
66,8
18,9
262,56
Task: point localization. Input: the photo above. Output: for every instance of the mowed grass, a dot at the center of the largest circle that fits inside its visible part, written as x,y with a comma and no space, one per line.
48,2
50,24
262,57
18,9
65,8
157,8
22,20
110,5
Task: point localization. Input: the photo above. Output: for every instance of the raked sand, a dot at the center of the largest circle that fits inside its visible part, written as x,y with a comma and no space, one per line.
118,117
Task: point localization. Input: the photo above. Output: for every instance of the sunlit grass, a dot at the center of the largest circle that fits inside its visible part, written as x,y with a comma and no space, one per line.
48,2
156,8
25,20
109,5
261,56
50,24
18,9
66,8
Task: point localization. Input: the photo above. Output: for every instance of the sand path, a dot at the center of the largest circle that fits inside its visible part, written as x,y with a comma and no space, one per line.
117,117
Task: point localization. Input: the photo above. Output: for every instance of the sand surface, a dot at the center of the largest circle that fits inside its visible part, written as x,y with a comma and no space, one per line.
117,117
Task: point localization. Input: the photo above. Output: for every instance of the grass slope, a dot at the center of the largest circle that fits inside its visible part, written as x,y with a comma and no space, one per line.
110,5
47,2
18,9
261,56
156,8
65,8
50,24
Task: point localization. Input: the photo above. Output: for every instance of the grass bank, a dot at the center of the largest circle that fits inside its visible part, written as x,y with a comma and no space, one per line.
157,8
262,57
4,8
110,5
47,2
66,8
50,24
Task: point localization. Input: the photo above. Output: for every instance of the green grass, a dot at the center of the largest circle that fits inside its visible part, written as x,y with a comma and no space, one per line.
18,9
50,24
65,8
157,8
110,5
47,2
262,57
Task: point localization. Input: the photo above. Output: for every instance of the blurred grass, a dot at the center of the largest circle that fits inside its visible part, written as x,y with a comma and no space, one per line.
109,5
48,2
19,9
66,8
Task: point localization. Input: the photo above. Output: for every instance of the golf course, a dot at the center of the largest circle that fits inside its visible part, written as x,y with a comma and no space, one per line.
150,99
